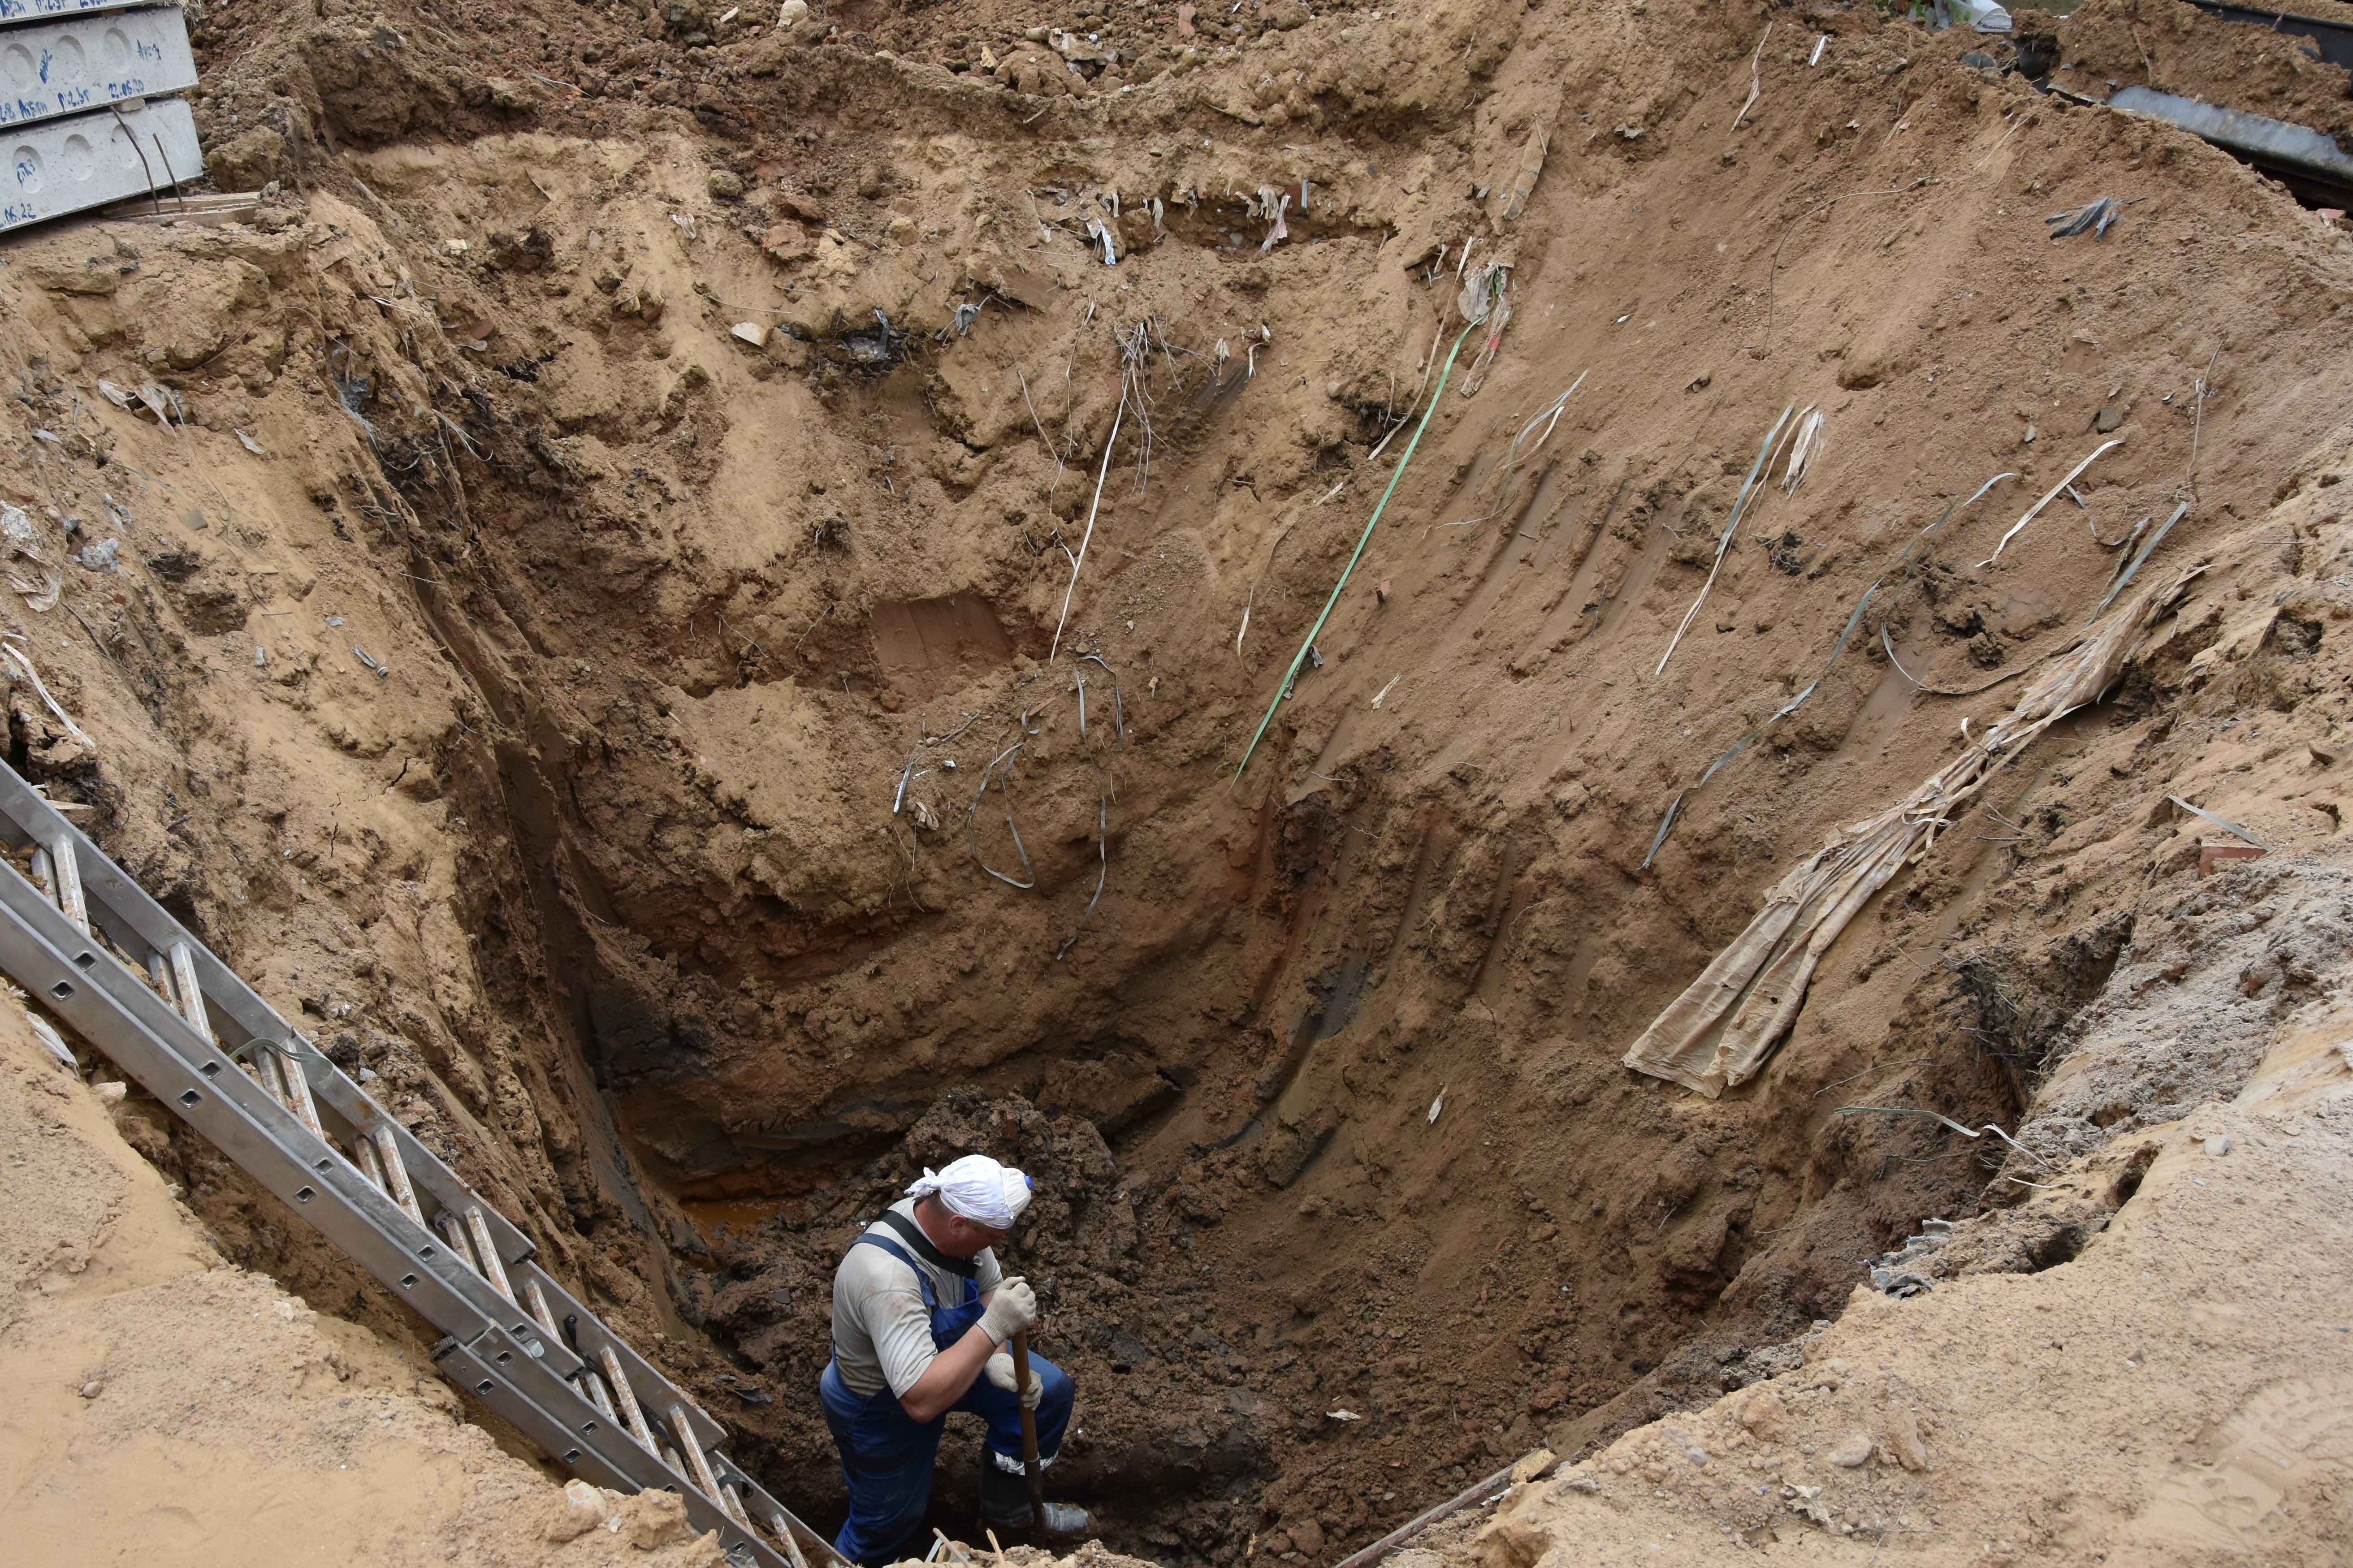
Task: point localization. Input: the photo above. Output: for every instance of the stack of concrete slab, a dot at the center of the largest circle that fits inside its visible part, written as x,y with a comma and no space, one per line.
83,118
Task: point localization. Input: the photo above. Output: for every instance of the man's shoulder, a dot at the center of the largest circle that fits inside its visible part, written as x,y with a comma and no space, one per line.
874,1268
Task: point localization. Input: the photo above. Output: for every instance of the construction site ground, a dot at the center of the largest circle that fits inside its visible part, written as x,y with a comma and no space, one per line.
694,596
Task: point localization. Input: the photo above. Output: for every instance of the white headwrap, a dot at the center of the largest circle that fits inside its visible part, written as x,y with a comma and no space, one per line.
979,1189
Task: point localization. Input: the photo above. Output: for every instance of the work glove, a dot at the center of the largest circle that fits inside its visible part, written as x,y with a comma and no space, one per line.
1011,1309
1000,1373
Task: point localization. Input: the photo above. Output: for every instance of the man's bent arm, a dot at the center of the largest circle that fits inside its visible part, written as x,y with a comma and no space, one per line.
949,1375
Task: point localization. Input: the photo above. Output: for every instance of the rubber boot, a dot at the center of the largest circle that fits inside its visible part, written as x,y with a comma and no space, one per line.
1004,1504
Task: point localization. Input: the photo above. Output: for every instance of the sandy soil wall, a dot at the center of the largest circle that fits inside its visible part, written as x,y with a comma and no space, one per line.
591,608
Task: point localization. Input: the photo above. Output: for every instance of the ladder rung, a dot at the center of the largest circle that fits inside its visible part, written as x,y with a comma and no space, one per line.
697,1467
782,1530
494,1268
596,1394
370,1165
192,996
453,1232
159,974
734,1504
396,1174
298,1094
536,1299
70,902
265,1068
632,1415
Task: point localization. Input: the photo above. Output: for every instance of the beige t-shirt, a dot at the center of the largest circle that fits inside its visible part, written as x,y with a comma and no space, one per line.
880,1332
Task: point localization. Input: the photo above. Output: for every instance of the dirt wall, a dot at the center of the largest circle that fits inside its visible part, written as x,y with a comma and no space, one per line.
696,426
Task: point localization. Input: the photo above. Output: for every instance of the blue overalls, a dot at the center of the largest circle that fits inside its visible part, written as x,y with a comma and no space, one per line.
887,1455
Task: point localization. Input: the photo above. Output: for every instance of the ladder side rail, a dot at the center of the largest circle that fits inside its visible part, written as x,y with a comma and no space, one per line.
335,1090
132,919
761,1505
104,921
149,1040
91,986
554,1413
238,1012
588,1334
576,1452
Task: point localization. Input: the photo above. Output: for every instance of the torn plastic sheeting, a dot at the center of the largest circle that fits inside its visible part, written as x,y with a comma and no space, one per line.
1984,15
24,666
1491,283
2225,824
1720,1031
1804,449
1509,201
51,1041
1276,204
1740,504
1099,232
1395,474
40,597
1791,706
1887,645
2126,575
2049,496
2097,215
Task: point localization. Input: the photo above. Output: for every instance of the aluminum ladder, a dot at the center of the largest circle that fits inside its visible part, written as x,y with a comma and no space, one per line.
82,935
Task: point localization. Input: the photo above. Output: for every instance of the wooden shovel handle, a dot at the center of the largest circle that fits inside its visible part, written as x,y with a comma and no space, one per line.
1029,1435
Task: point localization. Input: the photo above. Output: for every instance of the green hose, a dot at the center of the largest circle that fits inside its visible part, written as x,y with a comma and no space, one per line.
1362,540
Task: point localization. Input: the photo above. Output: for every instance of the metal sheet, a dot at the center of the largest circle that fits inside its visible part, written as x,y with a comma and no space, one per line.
61,167
13,12
63,68
2295,152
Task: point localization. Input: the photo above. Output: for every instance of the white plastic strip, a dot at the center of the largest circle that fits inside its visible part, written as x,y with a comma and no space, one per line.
83,62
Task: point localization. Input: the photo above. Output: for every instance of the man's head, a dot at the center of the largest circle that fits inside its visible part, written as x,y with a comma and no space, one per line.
972,1205
952,1233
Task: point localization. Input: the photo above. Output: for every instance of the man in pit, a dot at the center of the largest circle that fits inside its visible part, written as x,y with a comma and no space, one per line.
921,1316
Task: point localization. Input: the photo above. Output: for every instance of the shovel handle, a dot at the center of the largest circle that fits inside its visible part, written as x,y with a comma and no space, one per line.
1030,1471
